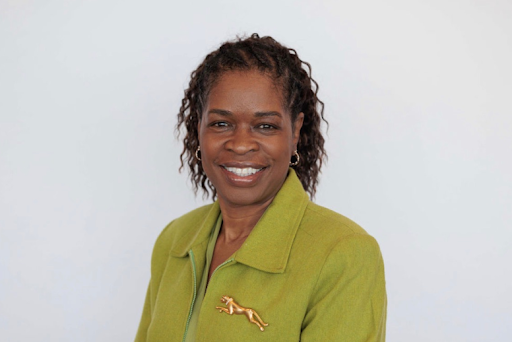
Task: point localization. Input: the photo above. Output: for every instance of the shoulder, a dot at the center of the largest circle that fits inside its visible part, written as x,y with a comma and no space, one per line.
336,233
194,217
182,228
318,219
345,245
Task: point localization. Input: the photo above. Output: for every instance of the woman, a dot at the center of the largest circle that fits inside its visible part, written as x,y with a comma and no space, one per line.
262,262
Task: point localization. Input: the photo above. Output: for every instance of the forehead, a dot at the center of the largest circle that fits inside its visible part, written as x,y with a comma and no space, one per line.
245,90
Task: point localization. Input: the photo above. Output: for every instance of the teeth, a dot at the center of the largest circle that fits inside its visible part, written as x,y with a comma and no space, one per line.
242,172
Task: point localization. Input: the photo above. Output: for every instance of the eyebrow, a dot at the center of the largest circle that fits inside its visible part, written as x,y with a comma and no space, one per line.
220,112
257,114
271,113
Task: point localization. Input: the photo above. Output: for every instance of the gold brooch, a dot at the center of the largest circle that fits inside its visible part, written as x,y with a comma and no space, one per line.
233,308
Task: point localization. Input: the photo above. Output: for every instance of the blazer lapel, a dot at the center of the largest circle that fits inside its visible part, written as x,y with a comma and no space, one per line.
275,231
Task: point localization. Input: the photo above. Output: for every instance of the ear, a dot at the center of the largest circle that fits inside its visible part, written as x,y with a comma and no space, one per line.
297,125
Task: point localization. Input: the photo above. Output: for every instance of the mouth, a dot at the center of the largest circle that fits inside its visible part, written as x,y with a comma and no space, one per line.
243,175
243,171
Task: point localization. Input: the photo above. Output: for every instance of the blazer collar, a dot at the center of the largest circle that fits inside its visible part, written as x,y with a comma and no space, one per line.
268,246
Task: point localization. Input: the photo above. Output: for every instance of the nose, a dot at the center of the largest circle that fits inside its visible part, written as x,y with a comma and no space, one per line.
242,141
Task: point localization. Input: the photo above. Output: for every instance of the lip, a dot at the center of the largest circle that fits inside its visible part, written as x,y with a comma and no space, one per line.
243,165
243,181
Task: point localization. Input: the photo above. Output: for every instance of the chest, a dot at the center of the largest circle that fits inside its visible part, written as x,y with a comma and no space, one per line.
274,297
221,253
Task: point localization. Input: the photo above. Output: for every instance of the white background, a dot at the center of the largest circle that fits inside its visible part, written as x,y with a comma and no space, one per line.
418,96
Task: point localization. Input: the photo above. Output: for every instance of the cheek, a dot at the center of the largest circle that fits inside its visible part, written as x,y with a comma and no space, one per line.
200,129
207,152
280,151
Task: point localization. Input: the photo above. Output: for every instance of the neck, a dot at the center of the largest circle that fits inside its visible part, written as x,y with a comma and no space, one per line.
238,221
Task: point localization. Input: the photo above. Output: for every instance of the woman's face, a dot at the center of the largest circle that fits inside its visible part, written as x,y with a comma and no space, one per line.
247,138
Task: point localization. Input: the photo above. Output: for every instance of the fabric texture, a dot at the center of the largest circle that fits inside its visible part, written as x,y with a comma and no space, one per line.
310,273
201,290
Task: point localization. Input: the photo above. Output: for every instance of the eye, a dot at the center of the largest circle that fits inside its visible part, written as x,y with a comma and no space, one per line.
266,127
219,124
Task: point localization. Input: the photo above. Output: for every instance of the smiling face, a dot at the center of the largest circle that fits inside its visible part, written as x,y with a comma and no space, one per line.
247,138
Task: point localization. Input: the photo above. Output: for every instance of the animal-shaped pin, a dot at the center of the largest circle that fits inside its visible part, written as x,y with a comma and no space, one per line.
233,308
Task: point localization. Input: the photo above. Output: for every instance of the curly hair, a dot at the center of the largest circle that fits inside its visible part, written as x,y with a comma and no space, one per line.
299,91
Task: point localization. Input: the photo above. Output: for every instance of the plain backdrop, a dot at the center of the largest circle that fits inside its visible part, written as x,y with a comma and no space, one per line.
418,97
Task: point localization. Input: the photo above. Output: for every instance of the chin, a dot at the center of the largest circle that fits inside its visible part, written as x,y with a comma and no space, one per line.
246,197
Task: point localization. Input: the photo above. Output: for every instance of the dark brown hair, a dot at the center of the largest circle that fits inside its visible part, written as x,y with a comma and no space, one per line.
299,91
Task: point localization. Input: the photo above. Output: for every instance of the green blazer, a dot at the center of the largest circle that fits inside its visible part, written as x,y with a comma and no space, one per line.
310,273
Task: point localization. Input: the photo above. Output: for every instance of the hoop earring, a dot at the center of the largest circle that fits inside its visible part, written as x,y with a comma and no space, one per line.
197,153
297,159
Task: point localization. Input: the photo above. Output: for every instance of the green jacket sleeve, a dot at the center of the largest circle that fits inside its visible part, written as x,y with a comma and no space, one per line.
158,261
145,319
349,301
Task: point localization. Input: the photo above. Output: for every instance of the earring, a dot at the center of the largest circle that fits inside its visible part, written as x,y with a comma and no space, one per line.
198,157
297,159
